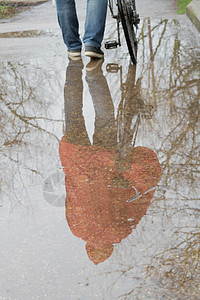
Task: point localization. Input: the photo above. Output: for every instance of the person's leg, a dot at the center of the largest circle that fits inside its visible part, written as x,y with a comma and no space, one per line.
105,134
68,21
95,22
75,130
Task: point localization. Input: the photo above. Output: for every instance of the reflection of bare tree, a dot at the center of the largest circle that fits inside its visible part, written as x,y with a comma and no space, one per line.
178,83
20,105
179,266
179,149
169,68
27,123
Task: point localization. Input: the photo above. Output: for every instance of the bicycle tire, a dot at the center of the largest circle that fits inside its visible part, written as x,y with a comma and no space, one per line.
128,29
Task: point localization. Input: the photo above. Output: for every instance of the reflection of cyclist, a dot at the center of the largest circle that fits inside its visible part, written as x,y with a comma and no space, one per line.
96,207
94,27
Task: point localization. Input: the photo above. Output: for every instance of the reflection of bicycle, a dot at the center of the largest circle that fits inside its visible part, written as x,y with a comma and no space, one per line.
126,15
131,110
132,102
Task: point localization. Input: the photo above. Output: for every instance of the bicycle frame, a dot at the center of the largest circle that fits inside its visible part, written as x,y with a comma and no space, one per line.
134,18
113,44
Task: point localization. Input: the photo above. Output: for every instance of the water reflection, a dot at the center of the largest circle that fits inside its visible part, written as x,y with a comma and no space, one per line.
110,182
27,34
160,259
30,129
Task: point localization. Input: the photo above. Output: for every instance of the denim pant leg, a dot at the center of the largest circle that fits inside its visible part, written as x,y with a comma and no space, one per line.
68,21
105,126
95,22
75,130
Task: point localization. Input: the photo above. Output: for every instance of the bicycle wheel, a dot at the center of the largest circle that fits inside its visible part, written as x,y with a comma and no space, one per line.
125,12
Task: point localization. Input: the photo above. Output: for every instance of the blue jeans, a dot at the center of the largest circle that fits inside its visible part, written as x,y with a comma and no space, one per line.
94,23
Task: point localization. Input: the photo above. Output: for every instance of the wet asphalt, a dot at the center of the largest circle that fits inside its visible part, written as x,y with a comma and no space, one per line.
99,170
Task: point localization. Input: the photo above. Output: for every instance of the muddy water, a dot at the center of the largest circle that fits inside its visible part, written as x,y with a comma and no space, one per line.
26,34
100,171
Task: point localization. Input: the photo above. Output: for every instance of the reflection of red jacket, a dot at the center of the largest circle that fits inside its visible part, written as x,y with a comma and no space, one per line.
97,211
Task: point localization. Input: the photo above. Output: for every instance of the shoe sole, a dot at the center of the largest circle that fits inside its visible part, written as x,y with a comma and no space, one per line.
74,58
93,54
93,67
74,54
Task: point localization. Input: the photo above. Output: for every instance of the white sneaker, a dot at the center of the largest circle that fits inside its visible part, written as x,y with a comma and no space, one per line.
94,52
74,55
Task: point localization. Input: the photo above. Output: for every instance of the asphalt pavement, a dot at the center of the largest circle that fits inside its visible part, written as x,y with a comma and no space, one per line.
192,11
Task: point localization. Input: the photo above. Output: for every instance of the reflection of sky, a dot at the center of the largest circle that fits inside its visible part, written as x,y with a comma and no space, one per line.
40,253
88,111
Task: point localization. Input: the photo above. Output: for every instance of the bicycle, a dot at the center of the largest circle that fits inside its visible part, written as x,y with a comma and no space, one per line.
131,110
129,18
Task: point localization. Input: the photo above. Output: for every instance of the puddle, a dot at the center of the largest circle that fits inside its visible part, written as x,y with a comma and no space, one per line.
27,34
99,174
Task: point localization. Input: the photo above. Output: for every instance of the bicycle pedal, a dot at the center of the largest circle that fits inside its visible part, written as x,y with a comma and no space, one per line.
137,19
112,68
111,45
